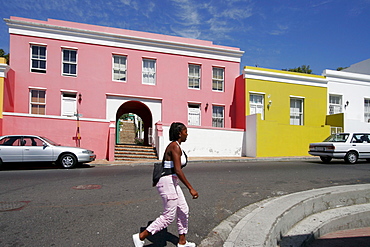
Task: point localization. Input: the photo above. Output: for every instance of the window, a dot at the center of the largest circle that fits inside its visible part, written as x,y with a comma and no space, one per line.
38,59
149,71
218,79
119,68
296,111
32,141
37,101
194,76
194,114
69,62
11,141
256,104
218,116
69,104
335,104
367,110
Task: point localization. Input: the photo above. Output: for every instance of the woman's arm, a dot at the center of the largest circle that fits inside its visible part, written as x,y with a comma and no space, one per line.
176,158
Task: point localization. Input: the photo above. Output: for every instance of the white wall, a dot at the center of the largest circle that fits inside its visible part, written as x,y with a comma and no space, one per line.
353,88
204,142
251,135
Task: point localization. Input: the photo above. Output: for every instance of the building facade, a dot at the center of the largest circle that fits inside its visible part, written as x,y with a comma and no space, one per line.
72,82
349,98
285,111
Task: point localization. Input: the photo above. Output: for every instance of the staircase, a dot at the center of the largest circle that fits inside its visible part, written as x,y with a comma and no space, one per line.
127,152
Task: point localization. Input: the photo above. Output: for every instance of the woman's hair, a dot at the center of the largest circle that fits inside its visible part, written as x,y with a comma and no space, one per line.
175,130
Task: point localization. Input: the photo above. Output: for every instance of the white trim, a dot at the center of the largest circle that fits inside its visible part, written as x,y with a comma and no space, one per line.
40,44
4,68
53,117
342,76
194,102
119,40
254,92
37,88
297,97
284,77
69,47
133,96
68,91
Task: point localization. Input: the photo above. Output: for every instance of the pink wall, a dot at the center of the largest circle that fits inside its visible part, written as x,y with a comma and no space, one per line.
94,135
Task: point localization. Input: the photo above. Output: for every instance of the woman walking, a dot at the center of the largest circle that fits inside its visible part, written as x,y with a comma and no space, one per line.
174,203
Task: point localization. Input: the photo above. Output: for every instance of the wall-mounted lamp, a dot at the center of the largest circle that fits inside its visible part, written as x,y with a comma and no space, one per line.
79,98
206,107
346,104
269,104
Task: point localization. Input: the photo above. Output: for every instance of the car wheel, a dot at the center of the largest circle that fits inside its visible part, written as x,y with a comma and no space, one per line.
351,157
325,159
68,161
1,164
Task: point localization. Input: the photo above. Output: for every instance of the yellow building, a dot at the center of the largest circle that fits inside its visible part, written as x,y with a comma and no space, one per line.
285,111
3,70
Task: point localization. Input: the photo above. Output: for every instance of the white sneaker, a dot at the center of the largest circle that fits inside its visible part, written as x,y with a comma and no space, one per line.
137,241
187,244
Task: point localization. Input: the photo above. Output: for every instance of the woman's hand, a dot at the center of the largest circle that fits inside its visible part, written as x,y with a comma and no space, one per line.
194,193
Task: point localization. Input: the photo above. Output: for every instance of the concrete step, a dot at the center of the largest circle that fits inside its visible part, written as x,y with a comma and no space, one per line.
134,152
295,219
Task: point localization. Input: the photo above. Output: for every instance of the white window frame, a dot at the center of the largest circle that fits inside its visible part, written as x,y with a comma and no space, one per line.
367,110
149,72
296,111
38,58
256,106
69,104
70,63
194,76
119,70
218,117
194,114
218,79
335,104
38,104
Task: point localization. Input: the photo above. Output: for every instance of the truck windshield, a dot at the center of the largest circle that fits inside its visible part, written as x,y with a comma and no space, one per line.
342,137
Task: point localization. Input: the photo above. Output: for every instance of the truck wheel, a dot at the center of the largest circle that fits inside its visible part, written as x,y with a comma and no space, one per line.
351,157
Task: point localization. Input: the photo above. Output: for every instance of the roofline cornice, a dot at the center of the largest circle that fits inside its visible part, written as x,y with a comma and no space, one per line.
120,40
4,68
308,80
342,75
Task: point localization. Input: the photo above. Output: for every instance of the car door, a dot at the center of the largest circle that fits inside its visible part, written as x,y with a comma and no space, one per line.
362,143
11,149
34,150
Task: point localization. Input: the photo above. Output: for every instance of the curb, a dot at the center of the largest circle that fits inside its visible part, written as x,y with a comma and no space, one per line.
267,222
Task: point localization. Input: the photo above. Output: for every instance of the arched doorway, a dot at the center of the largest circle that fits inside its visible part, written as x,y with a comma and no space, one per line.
141,110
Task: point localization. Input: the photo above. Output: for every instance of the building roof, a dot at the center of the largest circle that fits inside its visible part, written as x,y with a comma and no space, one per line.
362,67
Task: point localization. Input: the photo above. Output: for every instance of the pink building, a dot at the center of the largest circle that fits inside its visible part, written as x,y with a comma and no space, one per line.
59,69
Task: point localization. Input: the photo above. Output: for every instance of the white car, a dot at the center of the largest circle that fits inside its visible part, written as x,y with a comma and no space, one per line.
31,148
347,146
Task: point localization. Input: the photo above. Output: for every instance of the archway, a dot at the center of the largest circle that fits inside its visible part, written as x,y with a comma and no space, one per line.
140,109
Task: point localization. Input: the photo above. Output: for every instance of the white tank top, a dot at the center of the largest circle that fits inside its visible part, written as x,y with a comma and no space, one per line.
169,163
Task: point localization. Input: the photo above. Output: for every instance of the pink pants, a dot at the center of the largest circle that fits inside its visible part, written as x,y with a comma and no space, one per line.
174,204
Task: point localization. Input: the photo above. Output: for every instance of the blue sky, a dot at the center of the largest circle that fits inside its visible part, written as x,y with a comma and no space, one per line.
277,34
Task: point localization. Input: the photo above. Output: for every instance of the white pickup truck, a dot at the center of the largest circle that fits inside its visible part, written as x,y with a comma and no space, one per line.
347,146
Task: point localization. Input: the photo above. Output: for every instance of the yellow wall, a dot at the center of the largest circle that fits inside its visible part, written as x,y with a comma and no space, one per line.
275,135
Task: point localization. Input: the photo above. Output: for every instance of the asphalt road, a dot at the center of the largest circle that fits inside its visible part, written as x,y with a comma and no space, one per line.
105,205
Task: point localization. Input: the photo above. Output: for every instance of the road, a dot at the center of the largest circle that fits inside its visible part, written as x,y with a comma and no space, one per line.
105,205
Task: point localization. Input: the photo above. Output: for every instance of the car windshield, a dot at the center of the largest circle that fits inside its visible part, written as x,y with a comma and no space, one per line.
50,141
337,138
